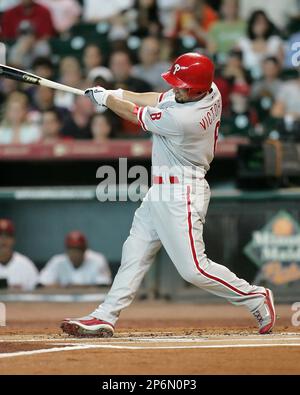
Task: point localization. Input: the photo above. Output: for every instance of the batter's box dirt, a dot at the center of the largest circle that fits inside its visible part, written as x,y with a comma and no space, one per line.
166,354
151,338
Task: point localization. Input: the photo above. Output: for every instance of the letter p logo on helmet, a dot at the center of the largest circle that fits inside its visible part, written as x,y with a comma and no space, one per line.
176,68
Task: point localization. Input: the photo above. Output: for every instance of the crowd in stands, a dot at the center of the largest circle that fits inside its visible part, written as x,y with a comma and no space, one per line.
128,44
77,266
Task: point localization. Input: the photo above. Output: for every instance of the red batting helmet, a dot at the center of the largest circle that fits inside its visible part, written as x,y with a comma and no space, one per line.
191,70
76,239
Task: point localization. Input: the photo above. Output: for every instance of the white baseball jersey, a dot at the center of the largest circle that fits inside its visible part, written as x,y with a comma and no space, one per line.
60,270
20,272
183,134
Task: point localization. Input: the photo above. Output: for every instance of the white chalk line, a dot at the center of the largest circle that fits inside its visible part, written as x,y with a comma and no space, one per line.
44,351
139,340
105,341
107,346
185,339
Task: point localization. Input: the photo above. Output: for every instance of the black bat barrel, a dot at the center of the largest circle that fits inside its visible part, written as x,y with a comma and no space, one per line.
18,75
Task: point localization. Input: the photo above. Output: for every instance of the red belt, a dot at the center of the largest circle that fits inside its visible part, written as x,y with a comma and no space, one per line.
159,180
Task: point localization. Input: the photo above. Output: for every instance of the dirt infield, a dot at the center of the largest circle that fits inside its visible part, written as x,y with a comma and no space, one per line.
151,338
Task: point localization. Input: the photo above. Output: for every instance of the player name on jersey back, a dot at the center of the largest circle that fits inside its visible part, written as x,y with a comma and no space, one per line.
211,115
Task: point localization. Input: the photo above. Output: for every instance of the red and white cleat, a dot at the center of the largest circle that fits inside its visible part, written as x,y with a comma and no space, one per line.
87,327
265,314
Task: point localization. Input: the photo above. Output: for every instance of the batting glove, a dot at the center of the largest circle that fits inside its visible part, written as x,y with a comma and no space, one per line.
98,95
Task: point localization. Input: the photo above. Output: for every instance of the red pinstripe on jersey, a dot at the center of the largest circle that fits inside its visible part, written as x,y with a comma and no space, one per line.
140,117
160,97
193,248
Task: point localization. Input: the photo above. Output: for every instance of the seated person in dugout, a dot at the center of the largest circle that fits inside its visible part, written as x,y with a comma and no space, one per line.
17,272
78,266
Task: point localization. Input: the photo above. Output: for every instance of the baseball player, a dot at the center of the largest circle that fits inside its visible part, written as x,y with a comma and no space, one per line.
184,123
78,266
17,271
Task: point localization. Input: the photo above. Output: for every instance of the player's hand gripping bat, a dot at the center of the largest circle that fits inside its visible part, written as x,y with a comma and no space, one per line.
23,76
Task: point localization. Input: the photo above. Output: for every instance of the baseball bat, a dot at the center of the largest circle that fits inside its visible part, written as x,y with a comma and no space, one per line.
23,76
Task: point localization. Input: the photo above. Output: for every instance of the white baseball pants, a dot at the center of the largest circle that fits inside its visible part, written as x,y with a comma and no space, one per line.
173,216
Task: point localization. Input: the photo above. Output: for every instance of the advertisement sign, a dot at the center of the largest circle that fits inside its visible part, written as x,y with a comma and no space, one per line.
275,249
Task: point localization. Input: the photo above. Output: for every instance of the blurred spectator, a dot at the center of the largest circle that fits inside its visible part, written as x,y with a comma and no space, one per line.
121,67
92,57
241,117
16,270
166,12
28,11
51,125
78,123
119,28
93,13
239,99
78,266
224,34
102,127
7,86
262,40
147,18
270,83
287,104
234,70
151,68
230,75
43,67
65,13
16,127
43,100
224,87
279,11
110,125
194,18
69,74
70,71
27,48
101,76
264,91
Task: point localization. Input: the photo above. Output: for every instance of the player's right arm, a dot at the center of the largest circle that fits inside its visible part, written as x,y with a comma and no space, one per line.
139,99
152,119
142,99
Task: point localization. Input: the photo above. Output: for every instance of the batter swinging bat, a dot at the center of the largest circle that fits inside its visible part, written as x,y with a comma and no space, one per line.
23,76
